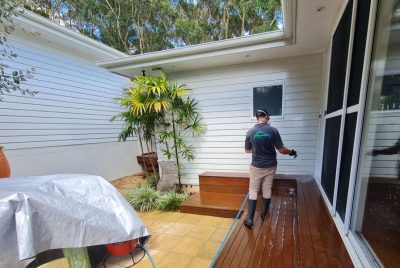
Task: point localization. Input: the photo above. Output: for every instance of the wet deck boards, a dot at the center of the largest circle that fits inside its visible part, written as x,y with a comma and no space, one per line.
298,232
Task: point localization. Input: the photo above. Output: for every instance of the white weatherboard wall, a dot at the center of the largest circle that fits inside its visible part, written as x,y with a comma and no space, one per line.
66,127
225,102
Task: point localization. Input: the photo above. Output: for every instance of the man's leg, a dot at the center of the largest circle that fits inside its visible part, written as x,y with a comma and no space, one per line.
254,186
267,190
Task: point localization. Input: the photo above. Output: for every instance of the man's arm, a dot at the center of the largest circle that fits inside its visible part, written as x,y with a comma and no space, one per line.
284,150
248,150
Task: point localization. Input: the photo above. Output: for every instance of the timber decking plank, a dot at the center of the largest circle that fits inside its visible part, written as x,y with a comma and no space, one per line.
287,257
337,253
305,243
252,245
266,234
298,232
272,244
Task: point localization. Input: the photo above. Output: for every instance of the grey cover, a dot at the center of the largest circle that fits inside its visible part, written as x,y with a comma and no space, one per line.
61,211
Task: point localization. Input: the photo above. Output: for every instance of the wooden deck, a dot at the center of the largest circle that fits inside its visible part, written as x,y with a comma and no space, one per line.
222,193
298,232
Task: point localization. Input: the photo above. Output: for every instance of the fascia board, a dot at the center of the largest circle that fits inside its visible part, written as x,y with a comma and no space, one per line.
57,31
217,48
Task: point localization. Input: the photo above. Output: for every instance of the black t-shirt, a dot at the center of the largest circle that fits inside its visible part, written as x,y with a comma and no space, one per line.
262,139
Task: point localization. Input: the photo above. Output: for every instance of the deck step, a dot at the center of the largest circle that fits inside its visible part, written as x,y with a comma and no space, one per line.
213,204
222,193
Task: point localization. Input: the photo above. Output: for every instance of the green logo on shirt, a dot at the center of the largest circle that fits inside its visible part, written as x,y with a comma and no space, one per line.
260,134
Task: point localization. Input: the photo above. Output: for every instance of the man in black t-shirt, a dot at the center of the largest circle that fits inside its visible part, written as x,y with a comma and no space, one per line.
261,141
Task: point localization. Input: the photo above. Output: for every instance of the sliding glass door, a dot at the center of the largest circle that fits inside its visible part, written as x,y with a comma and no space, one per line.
375,221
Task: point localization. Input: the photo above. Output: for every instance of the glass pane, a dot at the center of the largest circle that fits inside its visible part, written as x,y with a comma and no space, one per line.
337,74
345,166
269,97
357,61
376,213
331,142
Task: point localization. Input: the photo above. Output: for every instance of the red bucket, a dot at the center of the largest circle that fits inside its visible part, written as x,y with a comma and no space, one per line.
121,248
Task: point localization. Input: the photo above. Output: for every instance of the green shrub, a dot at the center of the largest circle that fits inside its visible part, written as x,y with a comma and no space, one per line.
152,180
171,201
143,198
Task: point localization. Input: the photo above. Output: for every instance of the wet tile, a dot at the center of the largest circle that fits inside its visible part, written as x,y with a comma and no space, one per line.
188,246
201,232
179,229
200,263
164,242
174,260
208,250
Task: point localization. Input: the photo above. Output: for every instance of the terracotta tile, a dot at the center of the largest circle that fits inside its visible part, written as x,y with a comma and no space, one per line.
156,255
164,242
201,232
190,219
200,263
155,214
188,246
171,216
148,221
173,260
225,223
218,235
210,221
208,250
159,226
179,229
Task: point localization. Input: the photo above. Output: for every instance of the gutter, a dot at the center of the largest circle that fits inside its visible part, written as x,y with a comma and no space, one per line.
195,49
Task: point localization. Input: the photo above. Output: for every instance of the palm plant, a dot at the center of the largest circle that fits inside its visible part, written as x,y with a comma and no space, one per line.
176,116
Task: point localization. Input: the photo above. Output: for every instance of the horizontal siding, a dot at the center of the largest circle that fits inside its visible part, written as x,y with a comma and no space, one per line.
225,103
73,107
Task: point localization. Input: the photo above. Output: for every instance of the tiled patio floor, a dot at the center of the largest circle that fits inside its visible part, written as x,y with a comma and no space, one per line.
179,240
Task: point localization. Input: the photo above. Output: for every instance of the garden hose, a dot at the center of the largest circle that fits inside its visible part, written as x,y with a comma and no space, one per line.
229,231
148,254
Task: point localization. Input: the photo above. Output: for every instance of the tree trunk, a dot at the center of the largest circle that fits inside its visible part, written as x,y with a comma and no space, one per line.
176,153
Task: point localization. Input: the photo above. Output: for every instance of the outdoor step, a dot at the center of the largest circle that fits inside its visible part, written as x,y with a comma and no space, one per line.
213,204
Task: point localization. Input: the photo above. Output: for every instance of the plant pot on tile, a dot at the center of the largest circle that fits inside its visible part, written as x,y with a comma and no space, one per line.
122,248
5,171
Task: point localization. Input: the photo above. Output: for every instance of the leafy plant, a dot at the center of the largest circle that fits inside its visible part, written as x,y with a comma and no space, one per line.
152,180
175,115
143,198
10,79
171,201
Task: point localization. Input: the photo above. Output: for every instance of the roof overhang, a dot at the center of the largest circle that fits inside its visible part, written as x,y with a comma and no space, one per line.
307,27
44,31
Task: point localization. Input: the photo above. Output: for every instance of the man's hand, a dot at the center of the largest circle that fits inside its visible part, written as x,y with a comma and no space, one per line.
293,153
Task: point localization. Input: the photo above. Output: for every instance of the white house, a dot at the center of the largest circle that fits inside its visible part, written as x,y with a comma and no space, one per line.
66,127
332,79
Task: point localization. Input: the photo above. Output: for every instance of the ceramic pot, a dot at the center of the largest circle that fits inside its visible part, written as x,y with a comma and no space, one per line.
121,248
4,166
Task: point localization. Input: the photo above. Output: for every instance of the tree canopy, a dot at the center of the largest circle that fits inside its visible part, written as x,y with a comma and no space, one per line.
140,26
